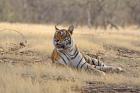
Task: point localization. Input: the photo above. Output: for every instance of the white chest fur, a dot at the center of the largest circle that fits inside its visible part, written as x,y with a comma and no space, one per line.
72,57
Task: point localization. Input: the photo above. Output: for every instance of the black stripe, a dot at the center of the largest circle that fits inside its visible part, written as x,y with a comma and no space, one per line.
98,63
83,64
71,50
75,55
87,67
93,62
74,52
63,59
79,62
66,56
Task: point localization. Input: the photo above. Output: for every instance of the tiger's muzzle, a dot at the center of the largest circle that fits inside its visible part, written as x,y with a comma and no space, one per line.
63,45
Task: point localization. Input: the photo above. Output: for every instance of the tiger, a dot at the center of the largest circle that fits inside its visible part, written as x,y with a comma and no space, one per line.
67,53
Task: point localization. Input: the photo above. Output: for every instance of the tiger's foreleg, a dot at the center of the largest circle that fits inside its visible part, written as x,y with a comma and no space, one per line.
101,66
106,68
92,69
93,61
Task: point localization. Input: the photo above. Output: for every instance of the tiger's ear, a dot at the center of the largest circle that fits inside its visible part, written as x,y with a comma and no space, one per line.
56,28
71,28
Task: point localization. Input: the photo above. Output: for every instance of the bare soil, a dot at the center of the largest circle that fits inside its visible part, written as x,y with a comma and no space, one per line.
132,67
100,87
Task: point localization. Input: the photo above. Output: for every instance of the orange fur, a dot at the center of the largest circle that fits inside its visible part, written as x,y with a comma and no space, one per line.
55,56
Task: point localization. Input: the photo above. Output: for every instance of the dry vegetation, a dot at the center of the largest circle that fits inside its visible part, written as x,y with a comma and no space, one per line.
97,13
29,69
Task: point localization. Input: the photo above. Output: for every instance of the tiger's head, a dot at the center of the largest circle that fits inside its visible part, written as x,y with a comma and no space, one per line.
63,38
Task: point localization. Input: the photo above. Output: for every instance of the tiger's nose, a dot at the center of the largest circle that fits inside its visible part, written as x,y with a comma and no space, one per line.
57,44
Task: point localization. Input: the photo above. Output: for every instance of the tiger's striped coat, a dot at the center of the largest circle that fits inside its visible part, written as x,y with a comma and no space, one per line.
67,53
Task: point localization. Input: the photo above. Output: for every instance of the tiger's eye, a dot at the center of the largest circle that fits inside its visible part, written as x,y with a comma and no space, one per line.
56,40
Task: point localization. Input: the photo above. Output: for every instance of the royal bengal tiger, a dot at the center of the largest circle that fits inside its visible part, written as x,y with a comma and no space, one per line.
66,52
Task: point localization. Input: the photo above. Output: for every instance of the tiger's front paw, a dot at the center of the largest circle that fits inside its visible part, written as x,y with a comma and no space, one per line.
101,73
119,70
97,72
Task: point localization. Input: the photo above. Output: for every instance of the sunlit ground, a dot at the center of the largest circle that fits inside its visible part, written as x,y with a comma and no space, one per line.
29,69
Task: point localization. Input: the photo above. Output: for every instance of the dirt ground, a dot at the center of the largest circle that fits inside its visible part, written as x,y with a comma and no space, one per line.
118,48
129,60
100,87
131,67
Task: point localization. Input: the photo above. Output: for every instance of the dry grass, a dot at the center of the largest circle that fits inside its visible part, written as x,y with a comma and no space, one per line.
28,77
